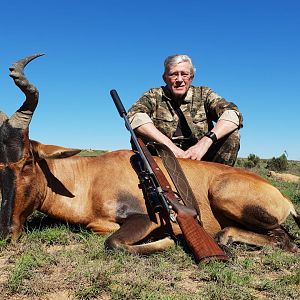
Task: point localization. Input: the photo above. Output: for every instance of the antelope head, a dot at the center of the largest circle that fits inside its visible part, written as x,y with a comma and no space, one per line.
15,152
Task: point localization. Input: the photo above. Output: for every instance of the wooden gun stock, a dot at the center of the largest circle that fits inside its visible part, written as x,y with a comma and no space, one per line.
199,241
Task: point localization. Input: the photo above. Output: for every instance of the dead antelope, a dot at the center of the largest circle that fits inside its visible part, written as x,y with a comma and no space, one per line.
284,177
102,192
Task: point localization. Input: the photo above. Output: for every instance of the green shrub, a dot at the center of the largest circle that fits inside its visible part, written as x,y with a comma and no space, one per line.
252,161
278,163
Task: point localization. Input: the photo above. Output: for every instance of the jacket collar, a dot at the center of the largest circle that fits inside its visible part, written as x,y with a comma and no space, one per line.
187,99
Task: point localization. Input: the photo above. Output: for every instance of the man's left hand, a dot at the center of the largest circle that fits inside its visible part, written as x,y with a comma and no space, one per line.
197,151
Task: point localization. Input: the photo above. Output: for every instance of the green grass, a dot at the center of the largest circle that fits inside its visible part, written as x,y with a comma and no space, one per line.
25,264
91,152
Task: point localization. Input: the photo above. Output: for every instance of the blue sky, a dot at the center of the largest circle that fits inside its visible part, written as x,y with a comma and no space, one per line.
246,51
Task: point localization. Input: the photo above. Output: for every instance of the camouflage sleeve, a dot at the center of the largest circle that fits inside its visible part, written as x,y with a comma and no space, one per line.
230,115
146,104
215,106
139,119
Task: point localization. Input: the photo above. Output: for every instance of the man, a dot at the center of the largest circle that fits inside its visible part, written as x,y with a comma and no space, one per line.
194,122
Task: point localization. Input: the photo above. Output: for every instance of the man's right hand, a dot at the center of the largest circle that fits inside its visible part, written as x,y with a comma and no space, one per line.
149,131
178,152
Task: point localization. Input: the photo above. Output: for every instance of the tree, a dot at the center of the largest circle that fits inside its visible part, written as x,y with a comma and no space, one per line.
278,163
252,161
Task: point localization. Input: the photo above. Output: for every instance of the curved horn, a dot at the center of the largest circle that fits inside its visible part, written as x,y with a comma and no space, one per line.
22,117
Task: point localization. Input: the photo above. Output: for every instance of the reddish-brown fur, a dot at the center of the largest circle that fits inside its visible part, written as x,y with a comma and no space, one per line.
102,193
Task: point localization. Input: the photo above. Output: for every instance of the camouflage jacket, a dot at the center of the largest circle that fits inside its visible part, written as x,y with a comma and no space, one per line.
201,107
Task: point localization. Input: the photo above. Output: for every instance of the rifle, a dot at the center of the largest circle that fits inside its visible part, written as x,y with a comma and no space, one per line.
158,192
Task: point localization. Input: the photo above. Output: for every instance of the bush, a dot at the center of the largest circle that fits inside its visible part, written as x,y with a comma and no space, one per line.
252,161
278,163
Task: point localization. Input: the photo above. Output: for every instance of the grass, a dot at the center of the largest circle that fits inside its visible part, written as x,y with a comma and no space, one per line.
39,264
68,262
91,152
24,265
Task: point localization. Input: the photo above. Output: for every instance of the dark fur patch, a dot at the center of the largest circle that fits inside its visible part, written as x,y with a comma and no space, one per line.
127,205
11,150
258,219
297,219
8,189
11,143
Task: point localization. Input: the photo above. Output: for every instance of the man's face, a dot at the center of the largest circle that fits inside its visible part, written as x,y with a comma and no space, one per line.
178,79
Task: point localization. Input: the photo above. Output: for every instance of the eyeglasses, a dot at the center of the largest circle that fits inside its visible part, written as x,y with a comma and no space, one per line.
176,75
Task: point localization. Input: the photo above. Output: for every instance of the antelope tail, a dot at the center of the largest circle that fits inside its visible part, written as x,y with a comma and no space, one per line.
296,216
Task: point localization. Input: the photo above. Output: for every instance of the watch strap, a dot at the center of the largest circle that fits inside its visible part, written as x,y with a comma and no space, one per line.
212,136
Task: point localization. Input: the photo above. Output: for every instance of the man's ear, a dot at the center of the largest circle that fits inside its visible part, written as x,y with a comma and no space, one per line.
164,77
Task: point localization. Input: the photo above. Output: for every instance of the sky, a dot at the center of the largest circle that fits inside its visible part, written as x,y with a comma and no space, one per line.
246,51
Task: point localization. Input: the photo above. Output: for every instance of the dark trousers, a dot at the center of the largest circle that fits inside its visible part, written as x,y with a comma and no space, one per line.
225,150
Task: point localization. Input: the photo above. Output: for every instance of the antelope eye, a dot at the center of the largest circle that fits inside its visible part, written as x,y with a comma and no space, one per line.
27,166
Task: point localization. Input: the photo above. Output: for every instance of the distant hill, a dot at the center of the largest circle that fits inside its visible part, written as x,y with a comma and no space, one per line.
90,152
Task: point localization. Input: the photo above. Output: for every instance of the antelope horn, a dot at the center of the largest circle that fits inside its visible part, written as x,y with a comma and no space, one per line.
22,117
3,117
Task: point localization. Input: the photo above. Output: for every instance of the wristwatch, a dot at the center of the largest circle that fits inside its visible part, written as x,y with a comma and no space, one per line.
212,136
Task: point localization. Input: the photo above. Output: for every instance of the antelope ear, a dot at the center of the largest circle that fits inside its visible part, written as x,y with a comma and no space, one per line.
52,151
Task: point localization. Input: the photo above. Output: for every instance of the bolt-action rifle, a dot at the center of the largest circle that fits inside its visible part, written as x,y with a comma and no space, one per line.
157,191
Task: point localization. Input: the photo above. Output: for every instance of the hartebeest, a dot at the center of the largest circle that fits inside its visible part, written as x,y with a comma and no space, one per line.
102,192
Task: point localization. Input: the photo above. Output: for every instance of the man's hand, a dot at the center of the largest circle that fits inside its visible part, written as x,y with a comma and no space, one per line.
222,128
197,151
178,152
152,133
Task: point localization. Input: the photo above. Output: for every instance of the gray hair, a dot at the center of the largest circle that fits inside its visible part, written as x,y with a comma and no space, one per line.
176,59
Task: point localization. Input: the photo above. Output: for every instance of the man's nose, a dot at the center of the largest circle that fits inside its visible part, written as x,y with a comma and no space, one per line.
179,77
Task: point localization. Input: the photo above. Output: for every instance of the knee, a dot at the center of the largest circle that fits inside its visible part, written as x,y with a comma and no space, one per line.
225,151
232,141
